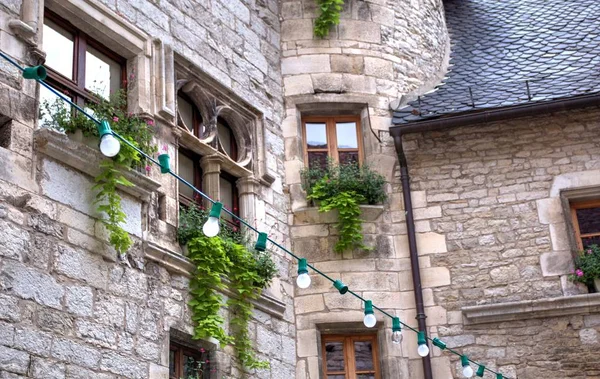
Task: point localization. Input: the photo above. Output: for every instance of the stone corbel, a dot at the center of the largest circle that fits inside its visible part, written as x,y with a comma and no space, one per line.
26,27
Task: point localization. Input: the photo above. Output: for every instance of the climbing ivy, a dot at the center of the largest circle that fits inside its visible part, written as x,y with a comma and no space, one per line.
329,16
224,262
55,115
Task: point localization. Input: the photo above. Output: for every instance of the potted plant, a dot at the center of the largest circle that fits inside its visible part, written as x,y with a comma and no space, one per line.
587,267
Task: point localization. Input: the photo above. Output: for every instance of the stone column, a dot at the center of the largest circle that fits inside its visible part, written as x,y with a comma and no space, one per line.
211,171
247,190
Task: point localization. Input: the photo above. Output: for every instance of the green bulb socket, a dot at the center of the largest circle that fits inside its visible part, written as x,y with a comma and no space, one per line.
302,266
104,128
464,360
437,342
165,165
368,307
215,211
35,72
261,242
340,286
480,371
396,326
421,340
499,376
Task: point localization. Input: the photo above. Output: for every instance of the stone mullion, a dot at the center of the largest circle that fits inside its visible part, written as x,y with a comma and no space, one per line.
247,192
211,171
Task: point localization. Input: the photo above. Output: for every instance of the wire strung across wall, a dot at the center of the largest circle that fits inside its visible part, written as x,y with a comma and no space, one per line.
109,146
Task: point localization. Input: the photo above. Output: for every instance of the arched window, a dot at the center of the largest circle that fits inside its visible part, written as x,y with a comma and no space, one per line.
188,115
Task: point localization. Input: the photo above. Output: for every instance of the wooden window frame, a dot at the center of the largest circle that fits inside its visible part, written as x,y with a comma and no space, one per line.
350,365
75,88
179,351
236,198
197,200
582,205
196,116
331,135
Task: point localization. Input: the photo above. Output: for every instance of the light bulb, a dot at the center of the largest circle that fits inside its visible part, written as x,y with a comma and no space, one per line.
109,145
370,320
423,350
303,280
467,371
211,227
397,337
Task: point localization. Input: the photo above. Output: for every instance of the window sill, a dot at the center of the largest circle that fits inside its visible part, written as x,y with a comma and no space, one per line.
181,265
86,159
311,215
531,309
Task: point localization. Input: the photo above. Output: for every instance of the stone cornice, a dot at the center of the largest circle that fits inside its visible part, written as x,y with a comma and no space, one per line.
181,265
86,159
530,309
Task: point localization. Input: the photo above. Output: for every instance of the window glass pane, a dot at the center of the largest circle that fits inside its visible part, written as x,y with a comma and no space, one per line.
316,135
365,376
171,363
589,241
346,135
102,74
363,355
50,104
186,171
336,376
186,112
226,188
225,136
335,357
59,47
589,220
348,157
317,159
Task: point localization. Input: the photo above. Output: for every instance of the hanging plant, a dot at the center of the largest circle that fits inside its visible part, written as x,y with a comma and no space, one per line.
329,16
226,256
55,115
344,188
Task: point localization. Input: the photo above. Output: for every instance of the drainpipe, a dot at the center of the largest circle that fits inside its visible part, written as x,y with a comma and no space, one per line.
412,247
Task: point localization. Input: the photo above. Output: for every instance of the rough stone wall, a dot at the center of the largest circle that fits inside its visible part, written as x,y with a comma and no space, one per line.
69,308
491,229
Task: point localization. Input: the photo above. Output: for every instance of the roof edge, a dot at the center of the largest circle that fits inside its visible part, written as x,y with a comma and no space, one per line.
498,114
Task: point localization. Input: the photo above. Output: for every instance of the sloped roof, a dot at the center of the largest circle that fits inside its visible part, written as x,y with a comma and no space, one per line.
512,52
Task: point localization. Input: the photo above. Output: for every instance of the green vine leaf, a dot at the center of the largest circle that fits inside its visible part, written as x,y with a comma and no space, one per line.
330,15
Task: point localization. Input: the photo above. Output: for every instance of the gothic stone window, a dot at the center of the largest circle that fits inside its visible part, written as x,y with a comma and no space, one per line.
336,138
350,356
586,222
78,65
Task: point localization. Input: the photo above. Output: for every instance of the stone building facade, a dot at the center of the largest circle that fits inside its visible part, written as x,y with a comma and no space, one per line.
491,200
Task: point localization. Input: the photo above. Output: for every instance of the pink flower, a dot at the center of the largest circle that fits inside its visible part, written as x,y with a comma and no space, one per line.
115,119
202,350
150,122
165,148
579,273
148,168
589,251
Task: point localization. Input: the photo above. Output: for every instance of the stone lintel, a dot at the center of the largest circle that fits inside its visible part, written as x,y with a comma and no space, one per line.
179,264
87,160
530,309
311,215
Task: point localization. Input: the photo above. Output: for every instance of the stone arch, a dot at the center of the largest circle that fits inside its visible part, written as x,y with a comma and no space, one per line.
242,135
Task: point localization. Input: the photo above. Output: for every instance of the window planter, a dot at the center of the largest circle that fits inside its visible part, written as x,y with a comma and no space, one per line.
75,151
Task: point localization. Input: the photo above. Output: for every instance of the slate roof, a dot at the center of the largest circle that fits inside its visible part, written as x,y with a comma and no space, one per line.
502,47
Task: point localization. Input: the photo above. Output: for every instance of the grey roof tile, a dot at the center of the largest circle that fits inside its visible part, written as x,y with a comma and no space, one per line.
501,46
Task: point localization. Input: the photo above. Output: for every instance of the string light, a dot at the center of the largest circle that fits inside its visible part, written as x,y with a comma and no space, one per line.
396,331
109,145
303,280
211,227
261,242
369,319
423,349
467,369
